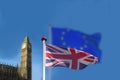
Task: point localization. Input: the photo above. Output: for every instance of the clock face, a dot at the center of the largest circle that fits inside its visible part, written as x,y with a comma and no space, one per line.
23,46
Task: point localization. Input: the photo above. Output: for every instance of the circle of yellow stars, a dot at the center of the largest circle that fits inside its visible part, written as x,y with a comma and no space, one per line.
81,47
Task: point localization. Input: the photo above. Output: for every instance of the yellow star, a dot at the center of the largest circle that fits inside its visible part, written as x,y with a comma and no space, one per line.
63,33
86,41
81,48
85,46
62,38
64,43
84,36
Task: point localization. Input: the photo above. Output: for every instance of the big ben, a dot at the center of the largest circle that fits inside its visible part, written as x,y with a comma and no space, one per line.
25,70
26,60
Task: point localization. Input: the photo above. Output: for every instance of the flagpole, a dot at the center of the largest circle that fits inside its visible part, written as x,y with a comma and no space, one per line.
44,51
50,33
49,37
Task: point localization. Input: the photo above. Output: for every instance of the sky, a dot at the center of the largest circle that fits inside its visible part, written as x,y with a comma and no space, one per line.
20,18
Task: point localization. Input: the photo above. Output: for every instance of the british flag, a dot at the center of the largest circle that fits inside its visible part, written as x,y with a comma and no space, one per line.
68,57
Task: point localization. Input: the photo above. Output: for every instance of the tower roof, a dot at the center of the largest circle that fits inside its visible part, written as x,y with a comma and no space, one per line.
26,40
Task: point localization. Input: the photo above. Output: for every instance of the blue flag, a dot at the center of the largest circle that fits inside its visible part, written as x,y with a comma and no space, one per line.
66,38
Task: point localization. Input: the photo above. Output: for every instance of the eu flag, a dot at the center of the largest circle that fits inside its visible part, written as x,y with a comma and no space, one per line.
66,38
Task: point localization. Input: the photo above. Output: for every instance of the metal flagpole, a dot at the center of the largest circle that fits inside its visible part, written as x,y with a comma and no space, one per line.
44,52
49,36
50,33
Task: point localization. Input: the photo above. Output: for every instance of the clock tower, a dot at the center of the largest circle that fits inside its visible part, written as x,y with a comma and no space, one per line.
26,60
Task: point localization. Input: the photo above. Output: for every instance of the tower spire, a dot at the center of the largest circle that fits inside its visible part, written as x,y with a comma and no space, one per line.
26,39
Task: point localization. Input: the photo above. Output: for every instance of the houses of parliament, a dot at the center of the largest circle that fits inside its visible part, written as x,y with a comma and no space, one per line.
22,72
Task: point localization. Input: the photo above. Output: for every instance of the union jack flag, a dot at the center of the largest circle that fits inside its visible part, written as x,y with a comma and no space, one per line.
68,57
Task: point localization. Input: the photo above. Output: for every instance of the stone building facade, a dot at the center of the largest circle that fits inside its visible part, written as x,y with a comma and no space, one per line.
22,72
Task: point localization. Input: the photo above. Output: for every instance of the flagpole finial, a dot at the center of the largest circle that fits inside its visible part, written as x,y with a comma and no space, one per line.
44,38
